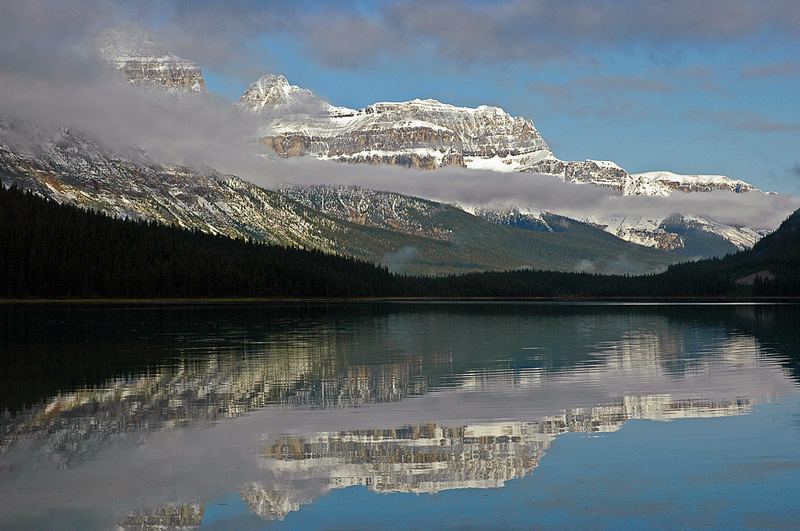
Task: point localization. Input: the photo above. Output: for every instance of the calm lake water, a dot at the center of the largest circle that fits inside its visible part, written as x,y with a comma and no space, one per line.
392,415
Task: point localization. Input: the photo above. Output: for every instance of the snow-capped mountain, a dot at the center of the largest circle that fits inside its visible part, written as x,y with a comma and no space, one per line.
694,236
669,181
419,133
132,50
271,90
428,134
405,233
690,236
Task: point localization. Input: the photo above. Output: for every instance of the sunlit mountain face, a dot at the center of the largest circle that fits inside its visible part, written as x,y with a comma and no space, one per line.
193,415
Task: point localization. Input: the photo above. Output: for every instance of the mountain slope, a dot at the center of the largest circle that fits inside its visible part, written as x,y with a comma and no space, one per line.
566,245
69,167
428,134
52,250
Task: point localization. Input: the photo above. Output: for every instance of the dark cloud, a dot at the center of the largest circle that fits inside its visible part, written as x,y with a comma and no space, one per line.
227,36
746,121
533,31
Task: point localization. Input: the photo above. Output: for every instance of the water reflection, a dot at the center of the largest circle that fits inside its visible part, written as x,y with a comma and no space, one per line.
282,406
429,458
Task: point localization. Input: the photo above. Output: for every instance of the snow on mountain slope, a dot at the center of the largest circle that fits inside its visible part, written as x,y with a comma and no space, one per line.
694,183
419,133
387,210
689,236
132,50
270,90
428,134
405,233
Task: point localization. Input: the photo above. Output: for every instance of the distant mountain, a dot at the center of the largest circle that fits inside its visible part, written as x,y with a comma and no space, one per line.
691,236
559,240
428,134
406,233
423,134
134,52
270,90
409,234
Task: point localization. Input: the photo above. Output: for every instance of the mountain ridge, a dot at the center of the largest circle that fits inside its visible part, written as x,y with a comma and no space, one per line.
72,168
427,134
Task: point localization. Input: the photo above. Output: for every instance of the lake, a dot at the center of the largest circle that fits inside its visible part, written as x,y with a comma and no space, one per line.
399,415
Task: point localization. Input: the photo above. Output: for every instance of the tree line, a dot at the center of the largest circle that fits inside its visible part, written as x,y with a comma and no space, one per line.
51,250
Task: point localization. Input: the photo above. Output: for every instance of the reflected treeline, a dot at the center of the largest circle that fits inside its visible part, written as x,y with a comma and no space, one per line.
79,380
49,350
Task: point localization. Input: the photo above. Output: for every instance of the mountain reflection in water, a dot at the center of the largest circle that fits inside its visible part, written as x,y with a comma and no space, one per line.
282,405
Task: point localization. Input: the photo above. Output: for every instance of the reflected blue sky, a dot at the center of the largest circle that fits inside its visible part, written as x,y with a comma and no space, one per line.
400,416
732,473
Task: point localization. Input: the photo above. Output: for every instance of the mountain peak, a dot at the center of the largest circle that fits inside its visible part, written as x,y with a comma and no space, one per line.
134,51
270,90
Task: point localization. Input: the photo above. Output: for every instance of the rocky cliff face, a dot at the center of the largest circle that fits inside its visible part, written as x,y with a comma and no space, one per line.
133,52
428,134
418,133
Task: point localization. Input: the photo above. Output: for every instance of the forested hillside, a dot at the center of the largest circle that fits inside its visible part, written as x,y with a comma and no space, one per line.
53,250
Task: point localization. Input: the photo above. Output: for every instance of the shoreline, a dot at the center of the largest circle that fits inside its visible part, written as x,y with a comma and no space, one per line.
354,300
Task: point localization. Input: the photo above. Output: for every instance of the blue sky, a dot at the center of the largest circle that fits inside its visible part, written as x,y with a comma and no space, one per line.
723,473
723,100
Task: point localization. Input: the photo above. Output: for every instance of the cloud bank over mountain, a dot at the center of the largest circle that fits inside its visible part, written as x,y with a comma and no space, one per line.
51,74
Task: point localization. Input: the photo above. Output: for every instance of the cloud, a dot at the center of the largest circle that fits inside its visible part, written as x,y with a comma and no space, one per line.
624,83
744,121
227,36
614,95
539,192
774,70
51,76
528,31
